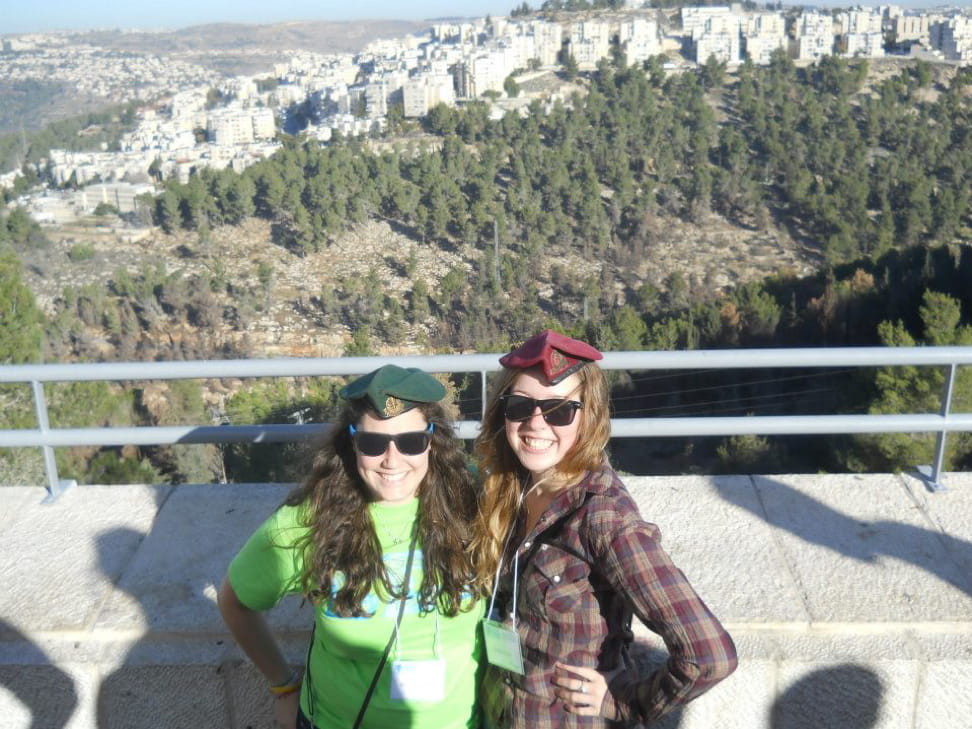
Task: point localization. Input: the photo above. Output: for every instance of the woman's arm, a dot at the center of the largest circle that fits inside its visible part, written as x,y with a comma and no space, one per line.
701,653
252,632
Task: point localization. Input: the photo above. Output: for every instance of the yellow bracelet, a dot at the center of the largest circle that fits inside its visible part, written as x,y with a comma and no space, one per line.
292,684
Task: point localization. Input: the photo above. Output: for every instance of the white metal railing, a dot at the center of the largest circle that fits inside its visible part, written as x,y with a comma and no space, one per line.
47,438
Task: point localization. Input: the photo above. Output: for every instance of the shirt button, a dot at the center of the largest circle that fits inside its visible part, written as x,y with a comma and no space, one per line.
556,578
543,547
526,545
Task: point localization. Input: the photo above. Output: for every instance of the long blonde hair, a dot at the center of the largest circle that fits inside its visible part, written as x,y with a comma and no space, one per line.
504,477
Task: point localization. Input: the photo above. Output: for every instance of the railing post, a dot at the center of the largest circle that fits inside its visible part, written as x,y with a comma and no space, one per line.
55,487
482,396
933,480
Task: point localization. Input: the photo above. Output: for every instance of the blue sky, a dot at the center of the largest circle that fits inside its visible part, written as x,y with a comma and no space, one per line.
23,16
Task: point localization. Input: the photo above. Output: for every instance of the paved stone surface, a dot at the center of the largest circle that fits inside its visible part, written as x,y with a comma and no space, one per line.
896,568
699,517
60,561
948,512
849,597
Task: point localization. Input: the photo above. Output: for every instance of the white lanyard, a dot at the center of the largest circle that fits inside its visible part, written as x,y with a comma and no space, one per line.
516,563
435,637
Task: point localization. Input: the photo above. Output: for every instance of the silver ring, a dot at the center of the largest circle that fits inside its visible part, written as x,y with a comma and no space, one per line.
582,689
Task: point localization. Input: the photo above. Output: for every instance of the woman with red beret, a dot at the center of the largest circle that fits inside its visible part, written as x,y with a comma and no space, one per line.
573,560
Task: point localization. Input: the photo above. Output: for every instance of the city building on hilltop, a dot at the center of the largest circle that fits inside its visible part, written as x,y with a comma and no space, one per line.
638,37
588,41
320,95
814,36
909,29
763,34
953,37
424,91
713,32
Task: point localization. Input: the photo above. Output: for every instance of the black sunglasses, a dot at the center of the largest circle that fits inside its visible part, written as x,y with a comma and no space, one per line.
555,411
413,443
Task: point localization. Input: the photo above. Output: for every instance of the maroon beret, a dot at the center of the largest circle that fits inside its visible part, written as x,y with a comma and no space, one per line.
559,356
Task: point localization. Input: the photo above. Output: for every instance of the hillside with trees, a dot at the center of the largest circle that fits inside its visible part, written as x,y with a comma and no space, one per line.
564,217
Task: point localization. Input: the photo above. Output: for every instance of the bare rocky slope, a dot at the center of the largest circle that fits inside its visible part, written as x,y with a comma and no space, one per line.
711,257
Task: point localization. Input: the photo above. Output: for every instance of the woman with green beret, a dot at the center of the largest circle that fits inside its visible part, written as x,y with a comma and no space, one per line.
376,538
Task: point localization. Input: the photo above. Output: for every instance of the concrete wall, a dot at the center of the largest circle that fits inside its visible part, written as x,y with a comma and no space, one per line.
849,597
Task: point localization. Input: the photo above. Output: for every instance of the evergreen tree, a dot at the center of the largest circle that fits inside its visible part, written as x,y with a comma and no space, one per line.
21,322
913,389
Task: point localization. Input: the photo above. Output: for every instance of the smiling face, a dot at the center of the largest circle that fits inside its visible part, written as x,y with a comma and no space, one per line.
539,446
393,477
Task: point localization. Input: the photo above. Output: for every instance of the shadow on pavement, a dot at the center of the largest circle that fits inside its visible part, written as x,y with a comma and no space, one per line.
820,524
47,691
846,696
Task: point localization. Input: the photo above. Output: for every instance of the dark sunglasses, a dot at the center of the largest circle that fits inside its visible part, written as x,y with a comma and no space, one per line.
414,443
555,411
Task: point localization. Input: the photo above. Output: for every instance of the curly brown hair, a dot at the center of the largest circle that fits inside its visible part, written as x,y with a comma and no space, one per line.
341,535
504,477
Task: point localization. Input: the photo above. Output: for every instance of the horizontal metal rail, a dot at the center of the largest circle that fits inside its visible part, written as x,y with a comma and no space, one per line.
482,364
311,367
468,429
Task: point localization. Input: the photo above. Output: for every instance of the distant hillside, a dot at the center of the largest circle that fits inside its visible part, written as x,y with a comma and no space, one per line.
225,49
229,40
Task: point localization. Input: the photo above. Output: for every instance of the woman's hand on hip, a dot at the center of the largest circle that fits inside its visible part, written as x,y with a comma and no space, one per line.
581,690
285,710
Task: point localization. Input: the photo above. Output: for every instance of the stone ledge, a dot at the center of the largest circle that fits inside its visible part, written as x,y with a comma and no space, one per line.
848,594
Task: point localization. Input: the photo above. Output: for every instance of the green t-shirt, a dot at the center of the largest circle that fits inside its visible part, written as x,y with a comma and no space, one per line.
346,651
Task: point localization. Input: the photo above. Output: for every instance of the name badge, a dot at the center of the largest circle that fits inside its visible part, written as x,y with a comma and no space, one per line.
502,646
418,680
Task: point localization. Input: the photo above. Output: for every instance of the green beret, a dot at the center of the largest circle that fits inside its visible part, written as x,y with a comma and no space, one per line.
391,390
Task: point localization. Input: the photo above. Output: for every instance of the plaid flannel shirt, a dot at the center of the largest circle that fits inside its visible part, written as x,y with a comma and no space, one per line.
579,583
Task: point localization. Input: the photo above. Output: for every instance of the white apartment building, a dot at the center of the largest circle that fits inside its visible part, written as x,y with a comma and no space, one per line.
188,108
233,126
88,167
393,50
859,21
764,24
159,136
523,48
547,38
868,45
424,91
815,36
911,28
724,47
638,36
441,58
244,88
589,41
484,71
229,127
953,37
719,36
694,18
764,33
264,123
458,33
376,95
348,125
119,194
